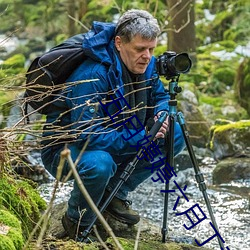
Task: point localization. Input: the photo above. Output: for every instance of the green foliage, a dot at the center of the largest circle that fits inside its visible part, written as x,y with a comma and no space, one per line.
214,101
229,23
218,103
224,75
12,67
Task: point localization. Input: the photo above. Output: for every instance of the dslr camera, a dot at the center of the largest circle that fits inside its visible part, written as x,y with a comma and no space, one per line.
171,65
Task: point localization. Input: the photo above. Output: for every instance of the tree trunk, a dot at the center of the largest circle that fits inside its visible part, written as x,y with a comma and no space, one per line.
83,7
181,27
71,6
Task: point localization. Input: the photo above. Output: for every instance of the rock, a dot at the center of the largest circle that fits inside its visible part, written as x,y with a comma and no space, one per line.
188,95
197,125
149,238
231,139
231,169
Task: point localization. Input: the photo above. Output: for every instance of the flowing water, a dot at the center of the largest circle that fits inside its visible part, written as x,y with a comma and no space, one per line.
230,204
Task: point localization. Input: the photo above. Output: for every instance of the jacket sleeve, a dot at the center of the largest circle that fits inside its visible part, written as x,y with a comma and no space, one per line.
89,123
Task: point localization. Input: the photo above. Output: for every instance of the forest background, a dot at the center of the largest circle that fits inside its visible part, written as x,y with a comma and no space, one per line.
214,33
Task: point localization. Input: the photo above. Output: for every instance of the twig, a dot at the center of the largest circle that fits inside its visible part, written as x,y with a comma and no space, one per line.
77,21
99,238
137,236
66,154
45,217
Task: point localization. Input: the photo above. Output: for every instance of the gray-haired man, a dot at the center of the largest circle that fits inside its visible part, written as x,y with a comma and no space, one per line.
121,58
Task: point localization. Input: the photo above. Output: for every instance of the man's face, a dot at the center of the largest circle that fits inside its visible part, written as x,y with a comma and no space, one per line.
137,53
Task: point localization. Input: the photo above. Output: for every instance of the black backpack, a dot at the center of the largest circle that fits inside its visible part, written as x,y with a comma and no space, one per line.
47,74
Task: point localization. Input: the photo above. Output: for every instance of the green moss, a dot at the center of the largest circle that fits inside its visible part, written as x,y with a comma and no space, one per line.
13,239
6,243
16,61
128,244
21,199
236,125
16,237
9,219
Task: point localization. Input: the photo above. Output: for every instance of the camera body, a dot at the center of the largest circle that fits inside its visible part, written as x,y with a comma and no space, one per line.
171,65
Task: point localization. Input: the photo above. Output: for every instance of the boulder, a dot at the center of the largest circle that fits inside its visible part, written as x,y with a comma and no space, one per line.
231,169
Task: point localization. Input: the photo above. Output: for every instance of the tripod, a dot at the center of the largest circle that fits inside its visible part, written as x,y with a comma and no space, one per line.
173,90
127,171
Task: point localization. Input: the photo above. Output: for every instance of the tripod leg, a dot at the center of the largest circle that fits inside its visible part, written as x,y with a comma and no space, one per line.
198,175
164,229
170,161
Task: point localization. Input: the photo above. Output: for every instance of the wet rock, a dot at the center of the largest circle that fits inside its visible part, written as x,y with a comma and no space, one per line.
231,169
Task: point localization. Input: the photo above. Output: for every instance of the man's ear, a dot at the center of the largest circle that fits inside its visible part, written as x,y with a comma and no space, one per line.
118,42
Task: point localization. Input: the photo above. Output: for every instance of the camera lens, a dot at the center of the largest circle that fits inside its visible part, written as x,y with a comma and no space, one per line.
182,63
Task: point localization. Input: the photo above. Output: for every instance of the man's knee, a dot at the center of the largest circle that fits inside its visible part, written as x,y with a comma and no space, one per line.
97,164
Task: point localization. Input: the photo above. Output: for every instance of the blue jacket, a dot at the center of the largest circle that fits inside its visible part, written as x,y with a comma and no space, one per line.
86,118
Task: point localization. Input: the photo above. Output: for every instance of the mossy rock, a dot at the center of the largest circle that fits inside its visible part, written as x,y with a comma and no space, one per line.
22,200
232,139
11,237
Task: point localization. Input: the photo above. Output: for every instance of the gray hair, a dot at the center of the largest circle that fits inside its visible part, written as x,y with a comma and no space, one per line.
137,22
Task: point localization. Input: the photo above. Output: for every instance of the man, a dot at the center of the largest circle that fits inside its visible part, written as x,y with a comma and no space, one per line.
108,114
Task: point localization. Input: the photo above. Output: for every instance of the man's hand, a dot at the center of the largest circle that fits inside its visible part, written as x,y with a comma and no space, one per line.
164,128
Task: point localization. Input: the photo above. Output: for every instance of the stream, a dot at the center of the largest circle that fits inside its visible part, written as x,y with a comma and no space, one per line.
230,203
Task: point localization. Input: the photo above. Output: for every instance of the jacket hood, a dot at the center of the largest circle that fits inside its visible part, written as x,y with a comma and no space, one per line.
98,43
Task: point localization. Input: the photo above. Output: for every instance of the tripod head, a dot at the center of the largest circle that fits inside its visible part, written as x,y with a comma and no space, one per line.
174,89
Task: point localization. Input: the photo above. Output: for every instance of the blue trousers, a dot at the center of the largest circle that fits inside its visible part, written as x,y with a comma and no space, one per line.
99,170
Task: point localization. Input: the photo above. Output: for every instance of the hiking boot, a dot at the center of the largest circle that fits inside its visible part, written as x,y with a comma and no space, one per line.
121,211
75,231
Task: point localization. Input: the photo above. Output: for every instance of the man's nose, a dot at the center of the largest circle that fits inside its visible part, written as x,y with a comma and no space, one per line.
146,54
